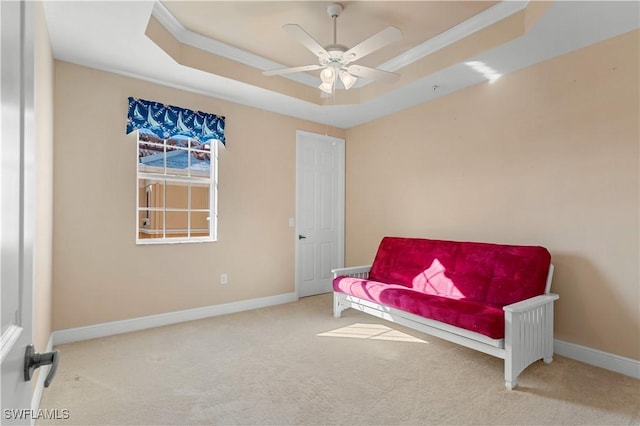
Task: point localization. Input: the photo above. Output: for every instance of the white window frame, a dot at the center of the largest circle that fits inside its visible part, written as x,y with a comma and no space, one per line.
187,179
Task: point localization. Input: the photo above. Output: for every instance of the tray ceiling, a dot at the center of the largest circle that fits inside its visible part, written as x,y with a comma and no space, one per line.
220,49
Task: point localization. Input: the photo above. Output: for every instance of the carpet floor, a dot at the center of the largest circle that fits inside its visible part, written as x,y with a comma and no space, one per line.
295,364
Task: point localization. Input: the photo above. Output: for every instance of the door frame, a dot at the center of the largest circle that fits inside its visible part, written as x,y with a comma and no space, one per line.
340,207
17,224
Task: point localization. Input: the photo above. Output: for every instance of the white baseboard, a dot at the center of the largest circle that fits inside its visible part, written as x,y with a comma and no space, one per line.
39,388
627,366
608,361
134,324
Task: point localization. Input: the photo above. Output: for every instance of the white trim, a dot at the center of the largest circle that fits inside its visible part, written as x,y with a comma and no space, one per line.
9,339
190,38
186,36
619,364
148,231
627,366
472,25
39,388
146,177
134,324
488,17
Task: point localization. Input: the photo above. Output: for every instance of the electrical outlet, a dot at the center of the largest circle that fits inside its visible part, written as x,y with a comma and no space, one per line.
224,278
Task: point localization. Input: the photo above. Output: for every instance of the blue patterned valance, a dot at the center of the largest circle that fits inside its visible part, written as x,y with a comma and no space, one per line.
168,120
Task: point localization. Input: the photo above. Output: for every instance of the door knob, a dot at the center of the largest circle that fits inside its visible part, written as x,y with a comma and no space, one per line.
301,237
33,360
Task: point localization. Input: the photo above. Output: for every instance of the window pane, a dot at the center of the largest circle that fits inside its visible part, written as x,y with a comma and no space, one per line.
150,193
177,161
150,224
174,192
178,141
150,152
142,194
177,223
200,224
177,195
200,162
199,196
143,219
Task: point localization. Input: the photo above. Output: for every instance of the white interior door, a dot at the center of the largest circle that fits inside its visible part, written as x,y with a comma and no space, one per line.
17,224
319,211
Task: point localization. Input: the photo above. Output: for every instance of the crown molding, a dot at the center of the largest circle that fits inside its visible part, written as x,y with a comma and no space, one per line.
488,17
472,25
193,39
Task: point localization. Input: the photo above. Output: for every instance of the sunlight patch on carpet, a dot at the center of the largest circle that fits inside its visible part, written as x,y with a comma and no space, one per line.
372,331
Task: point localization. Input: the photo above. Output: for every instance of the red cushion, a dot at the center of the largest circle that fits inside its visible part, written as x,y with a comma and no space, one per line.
480,318
487,273
464,284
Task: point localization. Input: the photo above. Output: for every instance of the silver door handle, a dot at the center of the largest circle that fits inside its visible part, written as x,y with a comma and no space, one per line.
33,360
301,237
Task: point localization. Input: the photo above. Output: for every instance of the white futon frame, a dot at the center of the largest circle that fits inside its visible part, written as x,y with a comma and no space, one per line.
528,326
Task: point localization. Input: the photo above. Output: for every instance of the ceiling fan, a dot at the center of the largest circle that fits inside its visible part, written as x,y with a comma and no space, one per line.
336,60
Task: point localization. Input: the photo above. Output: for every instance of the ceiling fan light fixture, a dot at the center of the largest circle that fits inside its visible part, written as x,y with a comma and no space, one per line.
326,87
328,75
347,79
335,59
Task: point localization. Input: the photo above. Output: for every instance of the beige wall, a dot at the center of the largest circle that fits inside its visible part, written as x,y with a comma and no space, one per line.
547,155
44,182
99,273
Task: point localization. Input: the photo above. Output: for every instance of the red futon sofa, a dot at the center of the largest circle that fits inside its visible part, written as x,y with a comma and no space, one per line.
490,297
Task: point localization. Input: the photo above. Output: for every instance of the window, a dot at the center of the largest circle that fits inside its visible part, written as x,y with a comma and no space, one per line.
177,172
176,189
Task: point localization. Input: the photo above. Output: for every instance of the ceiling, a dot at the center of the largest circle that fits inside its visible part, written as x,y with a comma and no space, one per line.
220,49
256,26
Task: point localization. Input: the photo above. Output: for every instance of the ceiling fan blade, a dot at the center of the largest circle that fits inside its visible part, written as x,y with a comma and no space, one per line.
306,40
372,73
373,43
292,70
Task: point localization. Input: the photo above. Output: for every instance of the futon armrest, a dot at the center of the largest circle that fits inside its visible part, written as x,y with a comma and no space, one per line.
354,271
531,303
